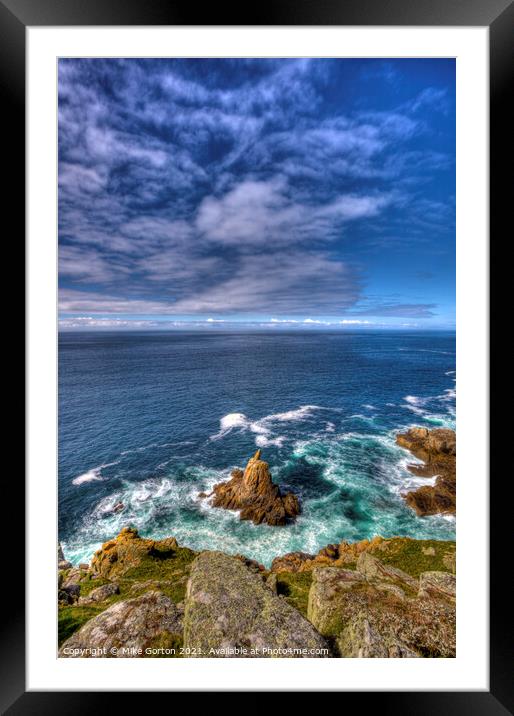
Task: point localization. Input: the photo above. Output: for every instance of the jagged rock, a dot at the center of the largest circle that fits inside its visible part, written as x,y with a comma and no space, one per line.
292,562
64,564
254,494
100,594
230,608
360,638
429,551
374,569
437,584
129,627
450,561
331,551
370,617
338,555
437,449
252,564
73,577
60,553
329,583
155,585
68,594
127,550
271,582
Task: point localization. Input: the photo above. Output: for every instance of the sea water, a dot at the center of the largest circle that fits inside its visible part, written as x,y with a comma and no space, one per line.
149,420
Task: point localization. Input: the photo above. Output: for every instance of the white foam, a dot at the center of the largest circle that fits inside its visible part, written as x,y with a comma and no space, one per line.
263,441
94,474
299,414
88,476
414,404
263,427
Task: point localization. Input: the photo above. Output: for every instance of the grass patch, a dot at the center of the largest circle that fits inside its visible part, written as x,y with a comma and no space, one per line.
173,570
295,586
170,568
416,556
88,584
72,618
165,641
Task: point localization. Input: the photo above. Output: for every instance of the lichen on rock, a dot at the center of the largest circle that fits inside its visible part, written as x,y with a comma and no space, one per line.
379,612
230,607
127,551
127,628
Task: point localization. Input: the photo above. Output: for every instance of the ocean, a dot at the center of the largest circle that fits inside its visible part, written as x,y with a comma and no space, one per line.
149,420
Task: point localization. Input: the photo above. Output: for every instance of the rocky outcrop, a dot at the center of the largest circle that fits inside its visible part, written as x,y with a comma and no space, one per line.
437,584
375,570
100,594
127,551
437,449
255,495
128,629
399,552
380,613
375,598
69,579
231,612
62,563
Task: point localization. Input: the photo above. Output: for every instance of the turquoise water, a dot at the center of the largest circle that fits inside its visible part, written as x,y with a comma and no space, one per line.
151,419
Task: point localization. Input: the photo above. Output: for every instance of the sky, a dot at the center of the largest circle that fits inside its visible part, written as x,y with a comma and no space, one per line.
264,193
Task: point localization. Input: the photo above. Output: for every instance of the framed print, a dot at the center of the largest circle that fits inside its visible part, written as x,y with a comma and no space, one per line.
258,317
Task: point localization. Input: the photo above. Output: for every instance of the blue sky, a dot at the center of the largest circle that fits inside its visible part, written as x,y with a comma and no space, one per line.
282,193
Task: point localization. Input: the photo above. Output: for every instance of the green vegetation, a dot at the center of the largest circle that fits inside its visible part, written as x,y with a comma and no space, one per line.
172,573
165,642
417,556
167,571
295,588
72,618
88,584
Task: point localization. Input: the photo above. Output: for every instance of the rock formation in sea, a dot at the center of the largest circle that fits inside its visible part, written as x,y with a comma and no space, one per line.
255,495
375,598
437,449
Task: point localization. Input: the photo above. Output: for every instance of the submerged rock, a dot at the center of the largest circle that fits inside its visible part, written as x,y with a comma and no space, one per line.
437,448
255,495
127,628
230,611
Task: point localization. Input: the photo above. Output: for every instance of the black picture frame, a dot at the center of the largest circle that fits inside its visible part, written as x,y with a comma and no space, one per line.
498,16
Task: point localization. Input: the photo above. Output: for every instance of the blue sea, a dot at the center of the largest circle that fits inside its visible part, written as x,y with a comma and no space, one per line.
152,419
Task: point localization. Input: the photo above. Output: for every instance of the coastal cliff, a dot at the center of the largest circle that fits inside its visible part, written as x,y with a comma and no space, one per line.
375,598
381,598
437,449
